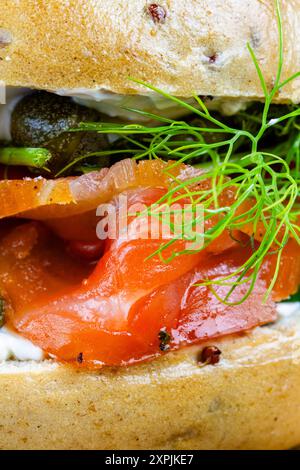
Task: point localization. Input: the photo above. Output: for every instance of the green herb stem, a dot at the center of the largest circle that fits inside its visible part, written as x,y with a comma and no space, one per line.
20,156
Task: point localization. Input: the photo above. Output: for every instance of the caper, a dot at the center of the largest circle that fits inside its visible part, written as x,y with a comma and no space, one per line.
43,119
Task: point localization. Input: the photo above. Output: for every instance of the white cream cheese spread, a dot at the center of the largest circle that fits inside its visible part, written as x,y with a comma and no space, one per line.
115,105
14,346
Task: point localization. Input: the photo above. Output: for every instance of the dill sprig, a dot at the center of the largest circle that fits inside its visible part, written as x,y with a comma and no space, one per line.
239,158
21,156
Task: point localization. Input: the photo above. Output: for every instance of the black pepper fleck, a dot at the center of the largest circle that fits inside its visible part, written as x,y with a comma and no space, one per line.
212,59
164,338
80,358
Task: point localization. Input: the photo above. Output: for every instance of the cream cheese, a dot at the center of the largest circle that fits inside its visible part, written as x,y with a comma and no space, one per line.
15,347
114,104
286,309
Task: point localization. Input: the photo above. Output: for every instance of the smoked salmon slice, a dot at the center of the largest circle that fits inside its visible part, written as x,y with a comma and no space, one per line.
116,312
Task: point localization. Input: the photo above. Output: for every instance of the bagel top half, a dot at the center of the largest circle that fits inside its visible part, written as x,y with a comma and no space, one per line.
184,47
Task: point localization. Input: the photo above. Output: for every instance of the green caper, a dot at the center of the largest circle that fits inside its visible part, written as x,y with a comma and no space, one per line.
43,119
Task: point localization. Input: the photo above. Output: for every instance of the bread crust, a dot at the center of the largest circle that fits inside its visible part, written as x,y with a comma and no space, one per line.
200,47
250,400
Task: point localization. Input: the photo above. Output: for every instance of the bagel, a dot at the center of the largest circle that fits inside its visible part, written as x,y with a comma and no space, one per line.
199,47
250,400
109,55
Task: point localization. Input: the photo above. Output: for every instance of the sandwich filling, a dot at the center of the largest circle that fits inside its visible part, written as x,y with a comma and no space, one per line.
97,300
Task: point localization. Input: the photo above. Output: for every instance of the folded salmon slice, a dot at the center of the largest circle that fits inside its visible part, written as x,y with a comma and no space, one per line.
43,199
115,315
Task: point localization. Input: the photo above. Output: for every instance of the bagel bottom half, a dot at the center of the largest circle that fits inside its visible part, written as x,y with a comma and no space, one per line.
250,400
